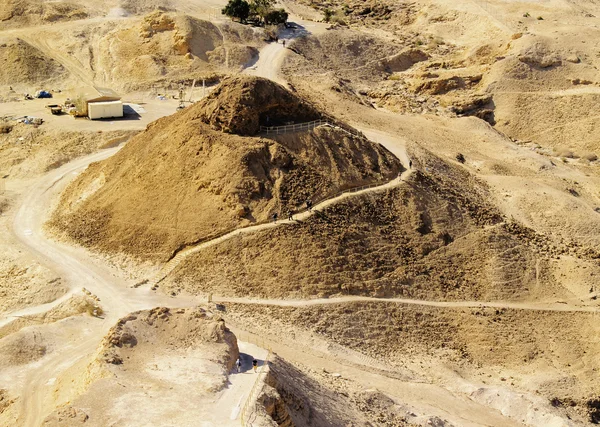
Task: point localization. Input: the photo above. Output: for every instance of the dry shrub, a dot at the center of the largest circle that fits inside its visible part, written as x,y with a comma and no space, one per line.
80,104
114,142
57,163
5,128
4,204
92,308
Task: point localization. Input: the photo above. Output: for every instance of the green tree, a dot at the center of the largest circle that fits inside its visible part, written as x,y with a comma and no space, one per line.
261,8
239,9
276,16
327,14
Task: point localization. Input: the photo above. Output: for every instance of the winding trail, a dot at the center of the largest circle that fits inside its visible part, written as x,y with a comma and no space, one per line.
118,299
79,270
551,307
172,264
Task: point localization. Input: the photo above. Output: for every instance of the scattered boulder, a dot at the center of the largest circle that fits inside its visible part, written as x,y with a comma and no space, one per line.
5,400
404,60
444,85
539,56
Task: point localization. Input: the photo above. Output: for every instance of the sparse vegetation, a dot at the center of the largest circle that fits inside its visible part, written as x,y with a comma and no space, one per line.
237,9
258,10
276,16
92,308
442,231
4,204
566,153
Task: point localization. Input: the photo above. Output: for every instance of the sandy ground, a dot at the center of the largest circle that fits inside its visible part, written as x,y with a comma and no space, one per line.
69,342
120,299
137,118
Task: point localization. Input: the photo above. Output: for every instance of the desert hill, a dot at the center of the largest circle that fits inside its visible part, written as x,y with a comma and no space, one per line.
435,237
180,181
128,54
14,13
167,46
23,63
171,353
439,236
505,65
547,358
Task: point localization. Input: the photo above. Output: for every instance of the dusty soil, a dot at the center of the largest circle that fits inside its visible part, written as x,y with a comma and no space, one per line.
26,64
496,61
127,54
501,206
14,13
28,150
160,352
297,395
213,181
75,304
24,283
172,47
545,354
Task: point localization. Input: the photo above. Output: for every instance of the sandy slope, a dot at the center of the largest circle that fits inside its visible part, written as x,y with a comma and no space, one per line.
519,177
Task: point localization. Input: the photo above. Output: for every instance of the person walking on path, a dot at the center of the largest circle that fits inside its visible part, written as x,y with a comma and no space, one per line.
238,364
275,217
254,364
290,216
283,43
309,205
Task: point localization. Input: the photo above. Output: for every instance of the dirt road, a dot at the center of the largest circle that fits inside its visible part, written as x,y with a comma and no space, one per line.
556,306
78,270
272,55
118,298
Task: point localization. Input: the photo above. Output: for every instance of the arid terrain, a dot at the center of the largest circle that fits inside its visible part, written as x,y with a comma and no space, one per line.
392,209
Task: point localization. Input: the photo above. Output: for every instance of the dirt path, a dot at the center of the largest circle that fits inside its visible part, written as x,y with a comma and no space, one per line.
172,264
38,309
269,61
556,306
79,270
431,399
272,55
71,262
38,380
228,406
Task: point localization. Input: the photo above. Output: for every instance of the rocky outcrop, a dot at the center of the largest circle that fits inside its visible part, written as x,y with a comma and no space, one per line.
240,105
